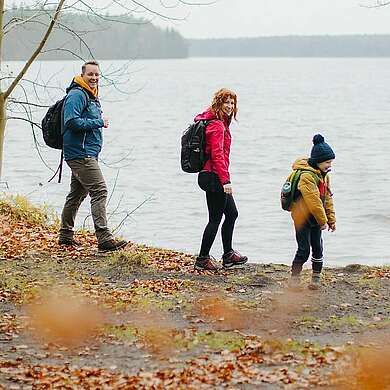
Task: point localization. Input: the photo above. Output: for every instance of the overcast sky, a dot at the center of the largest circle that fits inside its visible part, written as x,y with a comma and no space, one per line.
241,18
251,18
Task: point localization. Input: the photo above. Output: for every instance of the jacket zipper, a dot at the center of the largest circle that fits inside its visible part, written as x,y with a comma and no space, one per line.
85,136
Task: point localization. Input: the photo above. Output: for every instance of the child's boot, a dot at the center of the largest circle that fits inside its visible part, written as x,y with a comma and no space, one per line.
315,283
295,282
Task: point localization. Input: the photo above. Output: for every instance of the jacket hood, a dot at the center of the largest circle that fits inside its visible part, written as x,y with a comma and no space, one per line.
71,86
210,115
302,163
206,115
76,82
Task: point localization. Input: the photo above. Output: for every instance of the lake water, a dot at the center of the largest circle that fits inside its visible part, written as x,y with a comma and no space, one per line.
282,103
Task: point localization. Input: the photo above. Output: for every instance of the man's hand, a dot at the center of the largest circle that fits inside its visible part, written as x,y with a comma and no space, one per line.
323,227
332,227
106,123
227,188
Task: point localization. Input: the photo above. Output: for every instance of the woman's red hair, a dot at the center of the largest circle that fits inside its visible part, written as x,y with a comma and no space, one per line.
220,97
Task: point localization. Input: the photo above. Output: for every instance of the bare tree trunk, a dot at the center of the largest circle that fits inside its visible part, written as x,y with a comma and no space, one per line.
2,100
3,121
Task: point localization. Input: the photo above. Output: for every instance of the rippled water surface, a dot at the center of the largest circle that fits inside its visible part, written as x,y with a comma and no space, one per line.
282,103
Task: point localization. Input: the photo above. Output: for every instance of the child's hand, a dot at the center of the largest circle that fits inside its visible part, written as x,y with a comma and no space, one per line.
323,227
332,227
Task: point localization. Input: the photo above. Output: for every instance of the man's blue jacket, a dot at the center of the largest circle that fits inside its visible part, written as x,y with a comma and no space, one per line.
81,124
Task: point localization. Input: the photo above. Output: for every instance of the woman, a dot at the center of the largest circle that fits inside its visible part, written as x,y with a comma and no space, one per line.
214,179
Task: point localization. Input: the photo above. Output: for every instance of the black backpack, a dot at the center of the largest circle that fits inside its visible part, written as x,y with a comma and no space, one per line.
193,142
52,123
52,130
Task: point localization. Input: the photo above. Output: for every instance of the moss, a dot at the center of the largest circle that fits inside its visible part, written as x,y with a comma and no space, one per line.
218,340
240,280
123,332
345,321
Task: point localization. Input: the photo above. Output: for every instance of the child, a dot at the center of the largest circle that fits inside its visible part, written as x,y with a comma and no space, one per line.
313,210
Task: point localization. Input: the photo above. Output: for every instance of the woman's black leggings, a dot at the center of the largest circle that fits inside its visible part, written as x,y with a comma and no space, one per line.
218,204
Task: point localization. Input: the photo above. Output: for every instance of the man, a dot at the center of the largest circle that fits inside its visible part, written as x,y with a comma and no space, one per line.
82,124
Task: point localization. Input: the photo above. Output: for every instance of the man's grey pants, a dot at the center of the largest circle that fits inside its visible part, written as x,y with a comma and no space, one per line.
87,179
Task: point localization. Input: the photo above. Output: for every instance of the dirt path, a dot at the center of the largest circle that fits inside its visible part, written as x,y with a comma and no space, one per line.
154,323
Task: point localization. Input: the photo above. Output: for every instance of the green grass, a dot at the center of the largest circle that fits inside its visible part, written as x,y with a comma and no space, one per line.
349,321
19,208
123,332
219,341
128,261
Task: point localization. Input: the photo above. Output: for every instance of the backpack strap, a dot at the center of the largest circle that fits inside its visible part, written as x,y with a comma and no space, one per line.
60,165
296,176
316,178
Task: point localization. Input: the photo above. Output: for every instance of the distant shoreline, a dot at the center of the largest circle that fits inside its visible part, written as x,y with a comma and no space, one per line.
171,45
310,46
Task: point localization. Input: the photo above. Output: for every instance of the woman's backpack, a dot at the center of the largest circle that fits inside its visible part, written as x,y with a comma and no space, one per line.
193,143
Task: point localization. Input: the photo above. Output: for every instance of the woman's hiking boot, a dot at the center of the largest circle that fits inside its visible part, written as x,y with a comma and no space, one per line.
112,245
205,263
233,258
315,283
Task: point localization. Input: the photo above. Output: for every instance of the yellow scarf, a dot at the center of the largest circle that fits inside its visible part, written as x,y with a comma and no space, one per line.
79,80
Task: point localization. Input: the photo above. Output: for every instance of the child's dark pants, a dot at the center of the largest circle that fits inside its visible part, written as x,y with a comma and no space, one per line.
308,236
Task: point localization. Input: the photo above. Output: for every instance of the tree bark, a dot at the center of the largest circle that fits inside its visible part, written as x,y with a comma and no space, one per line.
2,100
3,121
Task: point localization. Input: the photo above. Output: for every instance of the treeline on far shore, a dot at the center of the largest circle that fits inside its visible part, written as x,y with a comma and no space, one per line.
293,46
127,37
79,35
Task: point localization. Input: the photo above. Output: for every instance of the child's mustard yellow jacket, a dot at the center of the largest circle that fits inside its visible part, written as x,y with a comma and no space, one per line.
316,197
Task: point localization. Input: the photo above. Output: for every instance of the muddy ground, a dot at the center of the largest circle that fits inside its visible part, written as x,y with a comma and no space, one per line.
144,319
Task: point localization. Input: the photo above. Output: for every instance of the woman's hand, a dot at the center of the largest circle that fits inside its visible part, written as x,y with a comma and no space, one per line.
227,188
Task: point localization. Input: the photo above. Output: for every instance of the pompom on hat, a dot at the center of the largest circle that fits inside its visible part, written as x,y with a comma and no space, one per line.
320,151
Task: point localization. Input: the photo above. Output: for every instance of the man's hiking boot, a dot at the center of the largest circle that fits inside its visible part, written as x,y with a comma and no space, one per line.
205,263
68,242
315,283
233,258
294,283
112,245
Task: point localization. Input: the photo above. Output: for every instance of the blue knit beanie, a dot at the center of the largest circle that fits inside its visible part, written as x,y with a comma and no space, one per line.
320,151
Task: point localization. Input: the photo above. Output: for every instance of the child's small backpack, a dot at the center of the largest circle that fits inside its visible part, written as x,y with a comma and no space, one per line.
193,142
289,192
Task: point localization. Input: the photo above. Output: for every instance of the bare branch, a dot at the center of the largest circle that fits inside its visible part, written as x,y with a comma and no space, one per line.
36,52
14,22
378,4
27,103
129,213
145,8
20,118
